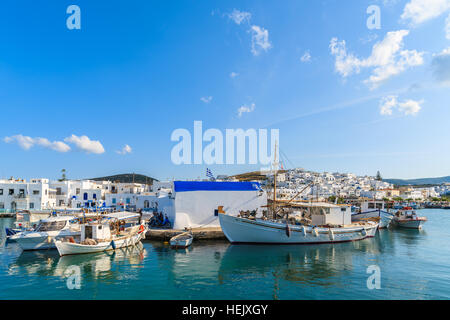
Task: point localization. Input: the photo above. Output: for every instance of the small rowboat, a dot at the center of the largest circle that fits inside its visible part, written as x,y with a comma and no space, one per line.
182,240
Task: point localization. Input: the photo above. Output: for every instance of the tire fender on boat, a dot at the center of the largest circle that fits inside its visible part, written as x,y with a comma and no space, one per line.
364,231
304,231
315,232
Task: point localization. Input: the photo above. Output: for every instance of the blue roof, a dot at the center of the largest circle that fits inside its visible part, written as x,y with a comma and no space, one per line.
184,186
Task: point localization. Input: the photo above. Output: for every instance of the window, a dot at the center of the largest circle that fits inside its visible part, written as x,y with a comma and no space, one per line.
85,196
58,191
379,206
2,205
78,191
11,192
51,226
31,205
371,205
114,200
146,204
216,212
94,196
1,192
36,192
22,191
128,201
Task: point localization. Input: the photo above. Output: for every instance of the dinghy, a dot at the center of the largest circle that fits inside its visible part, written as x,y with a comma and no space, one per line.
182,240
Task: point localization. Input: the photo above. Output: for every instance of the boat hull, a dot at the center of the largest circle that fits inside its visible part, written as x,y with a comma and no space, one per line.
384,221
181,243
239,230
39,240
410,224
69,248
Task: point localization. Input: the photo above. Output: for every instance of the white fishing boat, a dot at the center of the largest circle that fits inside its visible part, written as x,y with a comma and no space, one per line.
48,229
183,240
375,211
320,223
407,218
109,233
243,230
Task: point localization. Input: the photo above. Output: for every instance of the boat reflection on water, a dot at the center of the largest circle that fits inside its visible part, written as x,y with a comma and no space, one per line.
92,266
318,265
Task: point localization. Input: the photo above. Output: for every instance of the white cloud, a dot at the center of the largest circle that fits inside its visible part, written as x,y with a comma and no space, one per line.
85,144
408,107
419,11
388,104
233,74
387,58
306,57
239,16
125,150
441,66
260,40
206,99
26,143
245,108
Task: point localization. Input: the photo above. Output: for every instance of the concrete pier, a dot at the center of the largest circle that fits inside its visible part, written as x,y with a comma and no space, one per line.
198,233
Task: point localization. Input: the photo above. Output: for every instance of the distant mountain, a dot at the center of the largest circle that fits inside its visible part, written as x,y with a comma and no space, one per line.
415,182
127,178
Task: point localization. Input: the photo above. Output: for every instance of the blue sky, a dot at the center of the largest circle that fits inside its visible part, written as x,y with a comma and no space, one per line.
344,97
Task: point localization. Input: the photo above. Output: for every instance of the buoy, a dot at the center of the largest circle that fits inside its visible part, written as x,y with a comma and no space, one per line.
331,234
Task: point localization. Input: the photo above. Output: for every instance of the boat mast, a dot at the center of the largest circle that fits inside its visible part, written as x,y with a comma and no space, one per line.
275,182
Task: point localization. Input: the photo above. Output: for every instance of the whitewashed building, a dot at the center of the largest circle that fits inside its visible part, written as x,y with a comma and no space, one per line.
25,195
194,203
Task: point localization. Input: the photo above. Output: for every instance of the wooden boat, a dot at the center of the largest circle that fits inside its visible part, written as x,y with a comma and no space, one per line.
103,235
328,223
375,211
242,230
183,240
407,218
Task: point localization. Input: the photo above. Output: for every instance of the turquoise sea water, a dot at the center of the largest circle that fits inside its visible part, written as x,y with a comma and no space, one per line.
413,265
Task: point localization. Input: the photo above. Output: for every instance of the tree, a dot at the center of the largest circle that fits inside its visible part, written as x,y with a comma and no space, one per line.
63,176
378,178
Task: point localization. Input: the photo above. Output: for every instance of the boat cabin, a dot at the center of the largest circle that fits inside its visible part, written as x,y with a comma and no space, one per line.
95,231
54,224
330,214
372,205
406,212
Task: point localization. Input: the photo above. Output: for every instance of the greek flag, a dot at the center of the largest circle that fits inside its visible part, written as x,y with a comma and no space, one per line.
209,174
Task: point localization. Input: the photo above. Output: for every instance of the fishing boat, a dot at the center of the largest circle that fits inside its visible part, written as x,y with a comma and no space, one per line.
41,238
319,223
407,218
109,233
183,240
375,211
244,230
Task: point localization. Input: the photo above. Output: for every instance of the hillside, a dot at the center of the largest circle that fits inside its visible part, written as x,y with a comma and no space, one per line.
127,178
252,176
422,181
